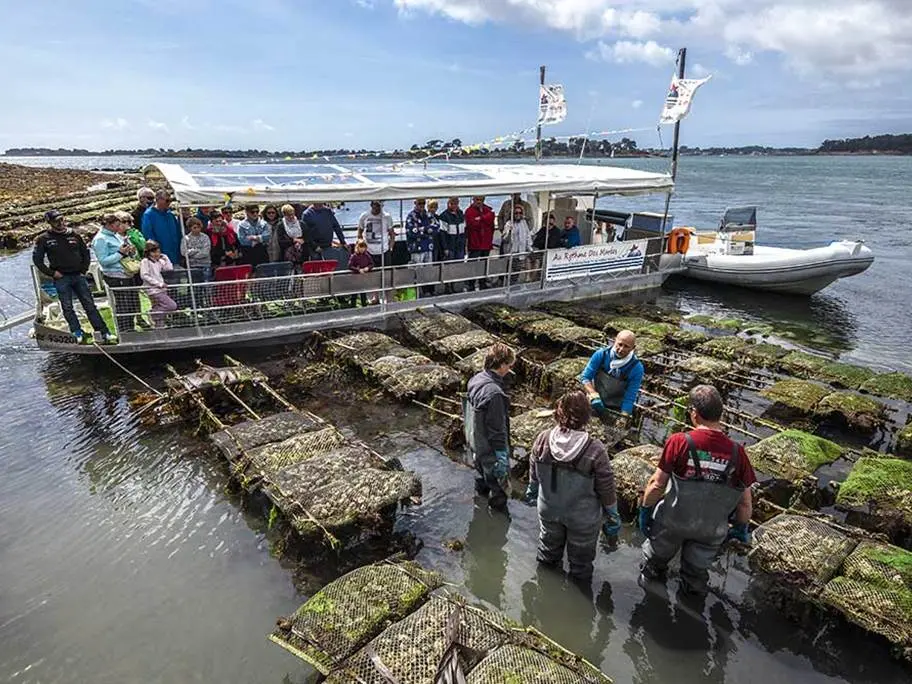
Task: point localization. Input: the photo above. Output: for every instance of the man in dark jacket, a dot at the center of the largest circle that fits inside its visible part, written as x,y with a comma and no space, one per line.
319,225
548,237
486,409
144,199
61,254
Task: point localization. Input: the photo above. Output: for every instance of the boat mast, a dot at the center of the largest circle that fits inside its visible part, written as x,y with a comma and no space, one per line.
682,57
538,145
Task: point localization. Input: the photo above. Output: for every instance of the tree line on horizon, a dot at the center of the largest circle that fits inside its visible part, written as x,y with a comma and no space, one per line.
551,147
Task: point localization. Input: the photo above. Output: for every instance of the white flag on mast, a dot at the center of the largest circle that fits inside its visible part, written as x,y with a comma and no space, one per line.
679,98
552,107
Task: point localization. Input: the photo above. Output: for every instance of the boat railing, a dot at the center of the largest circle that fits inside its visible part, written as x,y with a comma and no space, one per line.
137,312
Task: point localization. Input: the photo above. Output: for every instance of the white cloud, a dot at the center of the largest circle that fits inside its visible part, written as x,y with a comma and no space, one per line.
229,128
636,104
157,125
626,52
849,38
410,124
365,4
185,123
118,124
698,71
260,125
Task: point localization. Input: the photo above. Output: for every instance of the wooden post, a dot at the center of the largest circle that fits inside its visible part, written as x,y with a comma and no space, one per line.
538,145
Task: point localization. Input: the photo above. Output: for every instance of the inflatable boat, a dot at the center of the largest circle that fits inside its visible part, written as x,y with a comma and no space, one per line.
729,256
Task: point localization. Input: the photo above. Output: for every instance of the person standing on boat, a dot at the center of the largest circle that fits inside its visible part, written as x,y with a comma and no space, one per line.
702,484
115,254
517,237
613,377
253,234
320,224
144,199
507,210
480,221
420,234
571,481
196,248
375,227
486,412
225,250
61,255
570,237
452,231
160,224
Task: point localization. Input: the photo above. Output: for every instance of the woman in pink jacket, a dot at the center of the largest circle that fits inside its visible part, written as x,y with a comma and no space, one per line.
150,271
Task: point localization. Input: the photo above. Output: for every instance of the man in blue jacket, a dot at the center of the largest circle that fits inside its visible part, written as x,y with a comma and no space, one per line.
160,224
320,223
613,376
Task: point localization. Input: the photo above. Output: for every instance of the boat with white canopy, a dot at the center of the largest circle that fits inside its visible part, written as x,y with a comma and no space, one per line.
273,303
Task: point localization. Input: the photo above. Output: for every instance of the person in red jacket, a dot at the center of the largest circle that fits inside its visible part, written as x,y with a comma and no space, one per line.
480,219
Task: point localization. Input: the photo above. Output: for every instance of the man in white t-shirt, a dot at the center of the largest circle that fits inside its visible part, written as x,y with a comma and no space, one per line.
375,227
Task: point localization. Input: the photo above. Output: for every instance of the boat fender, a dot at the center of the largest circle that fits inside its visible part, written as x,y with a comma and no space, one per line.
679,239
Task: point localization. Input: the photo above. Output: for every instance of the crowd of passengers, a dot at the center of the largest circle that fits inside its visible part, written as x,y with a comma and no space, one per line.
137,248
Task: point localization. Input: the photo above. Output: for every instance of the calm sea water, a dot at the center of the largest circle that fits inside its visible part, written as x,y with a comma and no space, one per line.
124,559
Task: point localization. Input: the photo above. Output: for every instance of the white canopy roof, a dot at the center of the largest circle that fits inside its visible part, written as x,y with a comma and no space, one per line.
210,184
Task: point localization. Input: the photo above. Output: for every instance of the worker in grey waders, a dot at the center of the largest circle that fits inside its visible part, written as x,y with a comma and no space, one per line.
613,376
698,496
486,412
572,483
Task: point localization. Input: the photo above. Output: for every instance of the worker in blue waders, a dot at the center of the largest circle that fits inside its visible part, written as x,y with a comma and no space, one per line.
613,376
698,496
486,411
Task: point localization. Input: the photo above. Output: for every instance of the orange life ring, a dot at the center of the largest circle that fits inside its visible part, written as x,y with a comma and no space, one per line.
679,240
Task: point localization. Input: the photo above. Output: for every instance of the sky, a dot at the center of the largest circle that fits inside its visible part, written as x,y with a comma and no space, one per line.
381,74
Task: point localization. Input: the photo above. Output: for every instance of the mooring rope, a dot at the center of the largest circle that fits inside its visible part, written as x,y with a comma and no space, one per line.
127,370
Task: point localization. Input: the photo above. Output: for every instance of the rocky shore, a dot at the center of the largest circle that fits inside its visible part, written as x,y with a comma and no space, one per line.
26,193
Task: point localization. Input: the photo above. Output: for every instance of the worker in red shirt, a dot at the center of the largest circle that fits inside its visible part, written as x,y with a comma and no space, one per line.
479,219
702,484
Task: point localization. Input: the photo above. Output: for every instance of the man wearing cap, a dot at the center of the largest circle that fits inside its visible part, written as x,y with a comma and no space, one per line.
375,227
61,254
160,224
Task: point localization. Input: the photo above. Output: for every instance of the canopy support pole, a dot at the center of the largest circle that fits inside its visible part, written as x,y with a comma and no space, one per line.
682,58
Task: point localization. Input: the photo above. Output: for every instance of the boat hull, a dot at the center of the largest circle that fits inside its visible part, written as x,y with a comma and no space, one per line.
788,271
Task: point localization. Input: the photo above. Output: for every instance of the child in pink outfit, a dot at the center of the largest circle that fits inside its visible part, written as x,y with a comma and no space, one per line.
150,270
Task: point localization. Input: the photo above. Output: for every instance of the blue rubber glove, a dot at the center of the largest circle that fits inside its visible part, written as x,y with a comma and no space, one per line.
501,466
739,532
612,525
598,406
645,519
530,498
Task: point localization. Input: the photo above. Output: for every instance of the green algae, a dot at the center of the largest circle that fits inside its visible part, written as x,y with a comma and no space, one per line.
793,454
727,324
649,346
859,412
730,348
884,482
687,339
904,438
704,365
759,329
844,375
892,385
763,354
802,363
800,395
633,323
657,330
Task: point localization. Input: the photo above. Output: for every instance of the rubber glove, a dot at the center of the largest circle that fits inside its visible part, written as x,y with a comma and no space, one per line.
530,498
739,532
645,519
612,525
597,405
501,466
